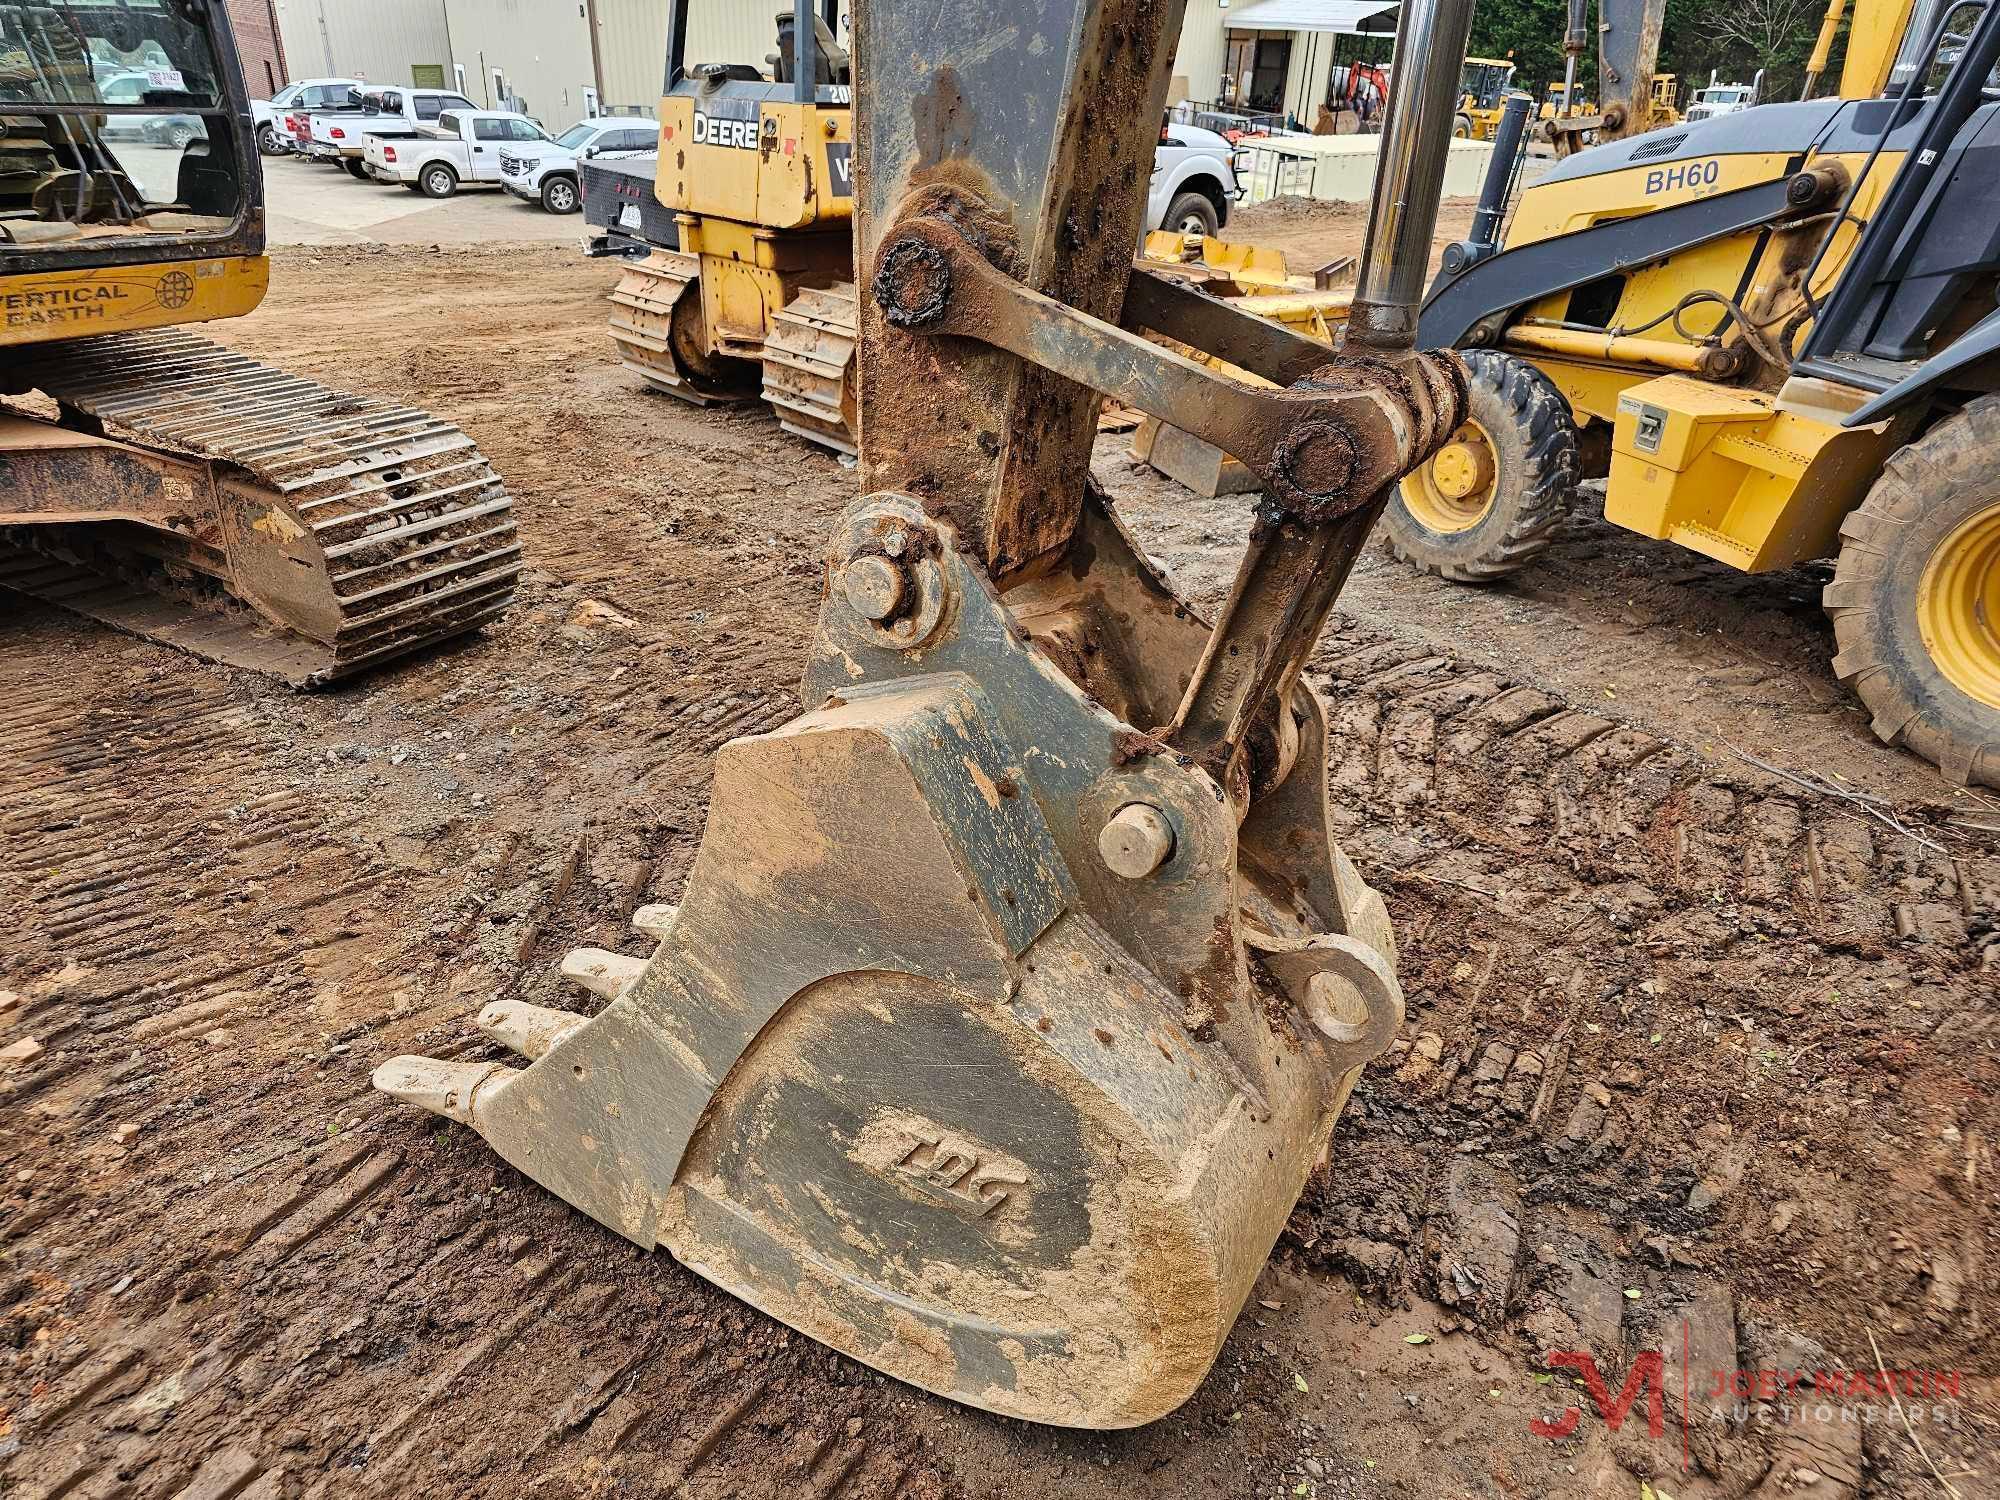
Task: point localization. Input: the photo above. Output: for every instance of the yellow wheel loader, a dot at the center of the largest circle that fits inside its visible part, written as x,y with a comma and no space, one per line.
1484,87
757,300
1773,334
154,480
1019,982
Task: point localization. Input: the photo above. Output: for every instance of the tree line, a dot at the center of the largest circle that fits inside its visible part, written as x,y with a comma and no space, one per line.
1733,37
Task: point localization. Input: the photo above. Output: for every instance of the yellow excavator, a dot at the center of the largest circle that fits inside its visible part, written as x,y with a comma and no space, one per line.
1019,981
152,479
1773,335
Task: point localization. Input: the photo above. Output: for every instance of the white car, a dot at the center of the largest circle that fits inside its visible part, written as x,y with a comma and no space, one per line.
273,139
546,173
465,146
1193,181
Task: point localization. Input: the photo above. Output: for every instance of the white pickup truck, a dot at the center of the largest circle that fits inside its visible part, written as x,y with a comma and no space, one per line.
464,147
547,173
339,135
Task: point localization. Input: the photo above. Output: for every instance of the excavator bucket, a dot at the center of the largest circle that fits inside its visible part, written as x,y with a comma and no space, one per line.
1019,983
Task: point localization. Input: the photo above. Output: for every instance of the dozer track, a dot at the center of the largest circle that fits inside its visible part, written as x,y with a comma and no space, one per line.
354,529
808,361
809,367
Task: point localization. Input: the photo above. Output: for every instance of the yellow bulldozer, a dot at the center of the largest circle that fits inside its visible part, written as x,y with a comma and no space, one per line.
1773,335
758,297
150,478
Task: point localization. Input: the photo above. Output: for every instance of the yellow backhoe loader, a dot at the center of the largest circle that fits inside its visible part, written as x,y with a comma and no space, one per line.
1019,981
1773,334
154,480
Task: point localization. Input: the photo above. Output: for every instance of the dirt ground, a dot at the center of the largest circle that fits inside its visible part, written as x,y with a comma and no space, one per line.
1698,1061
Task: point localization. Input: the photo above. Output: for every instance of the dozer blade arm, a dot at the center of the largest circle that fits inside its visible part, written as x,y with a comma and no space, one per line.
1019,983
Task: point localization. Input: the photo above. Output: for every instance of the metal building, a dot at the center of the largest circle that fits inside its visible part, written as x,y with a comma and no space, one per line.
383,41
560,60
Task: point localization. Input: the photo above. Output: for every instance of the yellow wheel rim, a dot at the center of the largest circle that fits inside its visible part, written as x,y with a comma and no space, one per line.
1454,491
1958,607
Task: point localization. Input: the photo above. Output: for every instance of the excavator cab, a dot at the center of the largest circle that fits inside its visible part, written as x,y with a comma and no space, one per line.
123,130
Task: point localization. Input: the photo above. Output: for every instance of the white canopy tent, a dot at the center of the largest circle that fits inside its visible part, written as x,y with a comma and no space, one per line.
1338,17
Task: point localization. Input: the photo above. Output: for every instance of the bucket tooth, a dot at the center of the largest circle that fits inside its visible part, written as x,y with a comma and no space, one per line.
531,1030
654,921
604,974
456,1090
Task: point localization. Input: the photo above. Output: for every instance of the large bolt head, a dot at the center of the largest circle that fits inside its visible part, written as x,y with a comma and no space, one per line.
874,587
1137,841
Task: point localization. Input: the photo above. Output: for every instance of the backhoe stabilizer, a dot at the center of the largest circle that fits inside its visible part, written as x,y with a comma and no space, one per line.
1018,983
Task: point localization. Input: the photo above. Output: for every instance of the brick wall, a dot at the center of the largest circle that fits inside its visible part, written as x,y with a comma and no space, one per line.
256,27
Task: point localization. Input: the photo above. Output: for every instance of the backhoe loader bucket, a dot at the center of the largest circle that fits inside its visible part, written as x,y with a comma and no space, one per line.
1018,984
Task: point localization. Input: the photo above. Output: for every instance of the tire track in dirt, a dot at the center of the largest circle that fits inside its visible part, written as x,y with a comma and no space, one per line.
272,1240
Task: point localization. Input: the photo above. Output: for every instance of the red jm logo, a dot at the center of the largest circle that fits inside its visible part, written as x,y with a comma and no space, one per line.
1648,1374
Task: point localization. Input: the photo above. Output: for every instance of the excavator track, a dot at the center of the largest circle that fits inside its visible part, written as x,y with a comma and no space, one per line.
378,529
808,363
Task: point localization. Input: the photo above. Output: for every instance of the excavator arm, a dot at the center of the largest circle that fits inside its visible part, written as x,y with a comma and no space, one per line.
1019,982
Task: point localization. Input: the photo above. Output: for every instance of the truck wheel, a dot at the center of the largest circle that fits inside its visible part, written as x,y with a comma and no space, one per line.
559,195
267,140
1493,497
438,180
1915,597
1191,213
178,136
355,168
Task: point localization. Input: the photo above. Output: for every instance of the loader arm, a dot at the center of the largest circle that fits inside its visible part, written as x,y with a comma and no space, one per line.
1019,982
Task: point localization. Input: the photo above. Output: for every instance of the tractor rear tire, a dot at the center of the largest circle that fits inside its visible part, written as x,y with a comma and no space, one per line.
1493,499
1915,597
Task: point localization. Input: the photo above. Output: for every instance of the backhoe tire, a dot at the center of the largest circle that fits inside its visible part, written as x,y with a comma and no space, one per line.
1192,213
1461,127
1915,597
437,181
1494,498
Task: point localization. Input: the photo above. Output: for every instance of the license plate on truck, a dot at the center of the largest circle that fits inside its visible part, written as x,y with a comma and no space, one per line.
628,216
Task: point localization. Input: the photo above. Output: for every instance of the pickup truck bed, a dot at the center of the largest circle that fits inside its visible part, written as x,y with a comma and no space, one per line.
620,206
